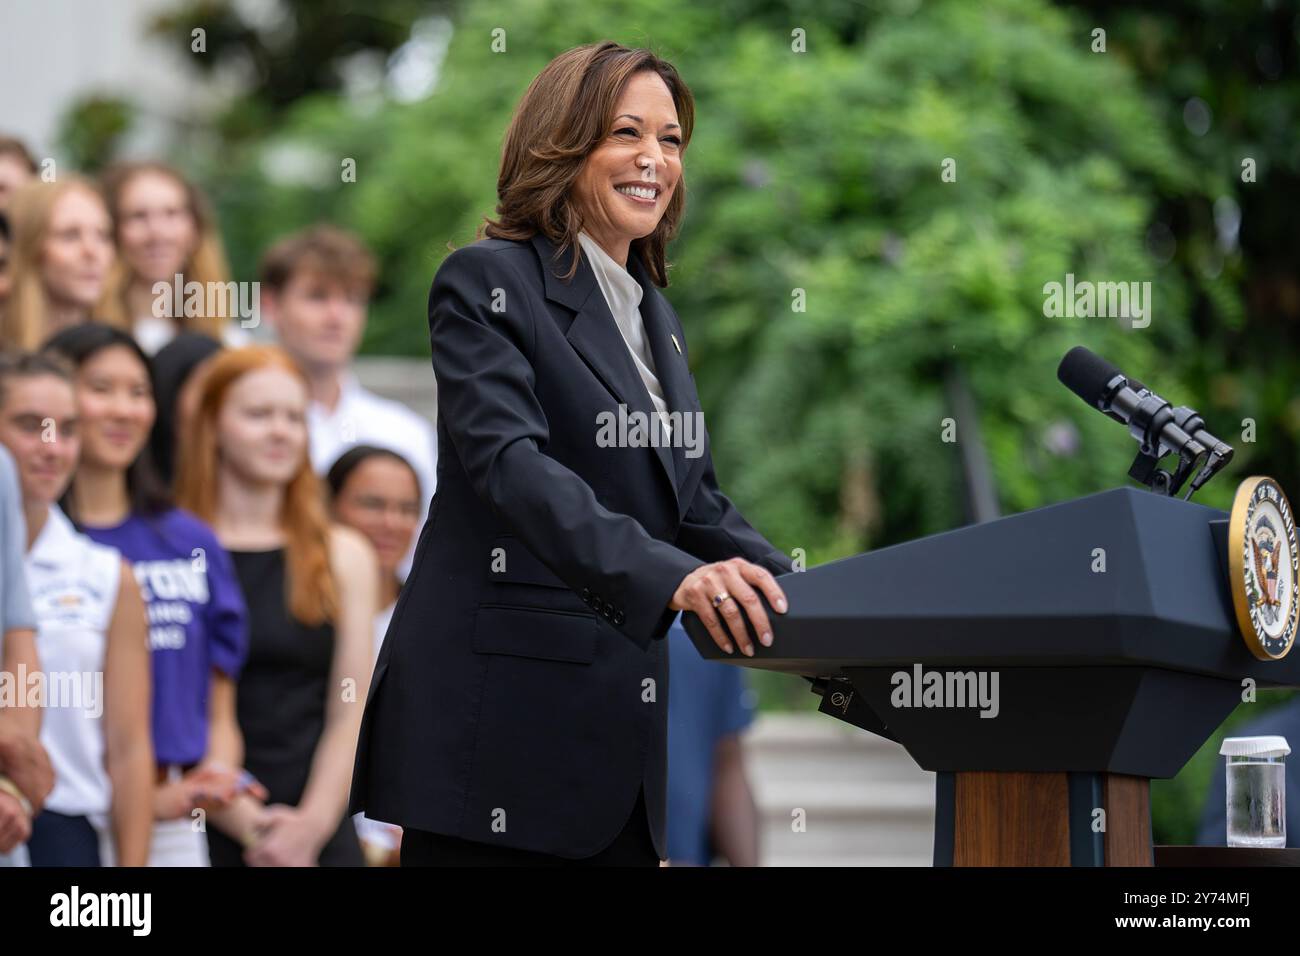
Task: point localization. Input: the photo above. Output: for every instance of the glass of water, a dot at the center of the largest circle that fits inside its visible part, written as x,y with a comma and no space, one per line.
1256,771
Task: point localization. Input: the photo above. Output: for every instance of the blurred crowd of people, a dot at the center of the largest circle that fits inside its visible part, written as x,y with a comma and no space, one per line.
206,521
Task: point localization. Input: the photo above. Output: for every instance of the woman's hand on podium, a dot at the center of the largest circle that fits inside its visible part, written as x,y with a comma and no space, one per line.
718,592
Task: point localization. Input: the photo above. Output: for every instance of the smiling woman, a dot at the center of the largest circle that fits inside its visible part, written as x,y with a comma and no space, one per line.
167,233
63,250
517,714
90,621
629,121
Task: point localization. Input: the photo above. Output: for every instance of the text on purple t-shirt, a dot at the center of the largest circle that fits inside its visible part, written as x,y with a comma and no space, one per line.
197,621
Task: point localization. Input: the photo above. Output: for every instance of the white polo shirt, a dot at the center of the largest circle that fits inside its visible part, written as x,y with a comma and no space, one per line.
363,418
74,584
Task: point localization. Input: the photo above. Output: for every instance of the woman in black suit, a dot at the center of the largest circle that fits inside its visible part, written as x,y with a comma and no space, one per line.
517,713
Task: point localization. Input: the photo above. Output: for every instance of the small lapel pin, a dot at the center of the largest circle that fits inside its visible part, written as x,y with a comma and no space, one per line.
676,344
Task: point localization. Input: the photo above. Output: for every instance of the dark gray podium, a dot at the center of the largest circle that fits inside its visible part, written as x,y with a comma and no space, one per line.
1097,638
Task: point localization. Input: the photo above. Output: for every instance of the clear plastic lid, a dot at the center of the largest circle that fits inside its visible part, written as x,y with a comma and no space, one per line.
1255,747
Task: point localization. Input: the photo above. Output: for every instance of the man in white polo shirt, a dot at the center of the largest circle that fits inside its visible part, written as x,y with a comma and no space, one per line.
315,287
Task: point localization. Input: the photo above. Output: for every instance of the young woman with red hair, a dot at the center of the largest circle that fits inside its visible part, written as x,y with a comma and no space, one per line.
310,588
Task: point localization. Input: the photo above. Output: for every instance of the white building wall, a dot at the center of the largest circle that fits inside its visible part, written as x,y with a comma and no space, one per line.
54,52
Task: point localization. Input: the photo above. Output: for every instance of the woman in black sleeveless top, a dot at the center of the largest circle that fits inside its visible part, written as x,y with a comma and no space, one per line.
281,702
311,590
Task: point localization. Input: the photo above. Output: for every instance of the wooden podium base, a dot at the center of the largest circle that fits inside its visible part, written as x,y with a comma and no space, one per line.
1042,819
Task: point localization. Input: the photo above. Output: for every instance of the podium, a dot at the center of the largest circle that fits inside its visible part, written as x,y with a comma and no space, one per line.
1045,665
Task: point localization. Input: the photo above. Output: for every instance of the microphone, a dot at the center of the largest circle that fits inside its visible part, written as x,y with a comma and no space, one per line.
1159,428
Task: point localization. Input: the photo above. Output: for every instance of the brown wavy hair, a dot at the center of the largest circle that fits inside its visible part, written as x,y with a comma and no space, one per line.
564,115
312,592
206,264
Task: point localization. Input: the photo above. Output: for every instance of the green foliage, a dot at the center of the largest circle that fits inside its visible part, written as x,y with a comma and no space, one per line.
905,273
1234,241
91,131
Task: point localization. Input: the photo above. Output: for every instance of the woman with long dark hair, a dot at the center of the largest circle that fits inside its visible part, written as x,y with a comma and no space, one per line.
197,626
176,370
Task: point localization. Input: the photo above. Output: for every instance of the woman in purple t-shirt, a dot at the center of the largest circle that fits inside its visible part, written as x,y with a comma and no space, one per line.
197,619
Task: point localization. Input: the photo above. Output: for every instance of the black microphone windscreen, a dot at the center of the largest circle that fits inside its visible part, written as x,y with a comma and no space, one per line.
1086,374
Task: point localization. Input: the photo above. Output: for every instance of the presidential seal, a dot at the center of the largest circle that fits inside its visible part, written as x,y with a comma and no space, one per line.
1262,565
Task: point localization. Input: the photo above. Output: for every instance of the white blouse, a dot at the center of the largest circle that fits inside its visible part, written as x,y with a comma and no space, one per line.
623,296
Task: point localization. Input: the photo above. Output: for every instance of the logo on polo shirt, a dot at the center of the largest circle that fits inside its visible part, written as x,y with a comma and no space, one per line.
67,602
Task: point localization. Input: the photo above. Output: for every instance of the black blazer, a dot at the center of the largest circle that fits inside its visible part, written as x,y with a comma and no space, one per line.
520,697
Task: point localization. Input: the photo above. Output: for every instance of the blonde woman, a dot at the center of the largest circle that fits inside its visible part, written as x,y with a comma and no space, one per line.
61,256
164,228
311,591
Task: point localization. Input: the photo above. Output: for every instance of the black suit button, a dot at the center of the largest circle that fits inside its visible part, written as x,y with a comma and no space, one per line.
618,617
586,595
608,611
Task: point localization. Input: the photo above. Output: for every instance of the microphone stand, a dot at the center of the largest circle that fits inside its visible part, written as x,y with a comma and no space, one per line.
1193,455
